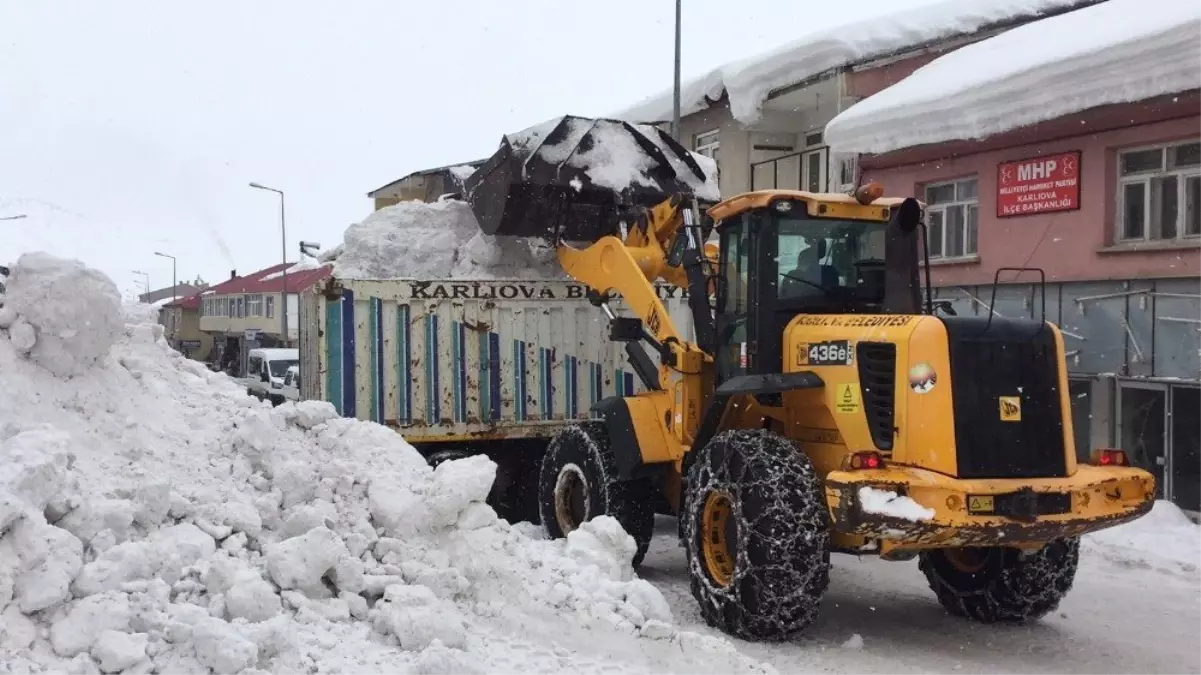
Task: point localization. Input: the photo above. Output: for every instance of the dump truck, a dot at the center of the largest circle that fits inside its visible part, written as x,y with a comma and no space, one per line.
821,403
465,366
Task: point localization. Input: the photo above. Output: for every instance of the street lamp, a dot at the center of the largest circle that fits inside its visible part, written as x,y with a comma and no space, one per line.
283,235
675,97
16,217
174,279
147,276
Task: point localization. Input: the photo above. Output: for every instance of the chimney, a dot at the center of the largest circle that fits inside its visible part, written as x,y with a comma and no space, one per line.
233,274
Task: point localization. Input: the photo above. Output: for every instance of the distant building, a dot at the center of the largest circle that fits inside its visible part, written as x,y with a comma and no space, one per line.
181,327
426,185
179,291
244,312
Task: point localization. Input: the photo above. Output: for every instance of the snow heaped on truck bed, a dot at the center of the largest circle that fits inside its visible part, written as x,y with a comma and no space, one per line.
437,240
749,81
154,516
1115,52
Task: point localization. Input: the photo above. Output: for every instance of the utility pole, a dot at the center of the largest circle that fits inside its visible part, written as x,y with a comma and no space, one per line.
147,279
675,98
283,309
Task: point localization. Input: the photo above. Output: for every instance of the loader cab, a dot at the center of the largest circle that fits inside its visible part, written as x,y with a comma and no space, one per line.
784,253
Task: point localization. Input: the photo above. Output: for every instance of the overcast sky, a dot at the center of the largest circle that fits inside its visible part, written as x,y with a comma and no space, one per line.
131,127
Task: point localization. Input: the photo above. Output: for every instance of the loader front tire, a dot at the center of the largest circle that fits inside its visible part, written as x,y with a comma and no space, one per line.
1002,585
756,535
578,482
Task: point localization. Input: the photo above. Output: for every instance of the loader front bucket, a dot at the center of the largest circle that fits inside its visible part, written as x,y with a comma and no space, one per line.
572,177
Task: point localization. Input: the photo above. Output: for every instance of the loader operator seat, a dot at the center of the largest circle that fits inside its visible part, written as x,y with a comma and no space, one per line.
811,275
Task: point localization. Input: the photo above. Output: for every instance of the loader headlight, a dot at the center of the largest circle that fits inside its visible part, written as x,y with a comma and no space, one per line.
783,206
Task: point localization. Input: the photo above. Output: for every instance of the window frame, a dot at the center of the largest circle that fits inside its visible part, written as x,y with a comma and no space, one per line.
269,306
956,203
707,143
1181,176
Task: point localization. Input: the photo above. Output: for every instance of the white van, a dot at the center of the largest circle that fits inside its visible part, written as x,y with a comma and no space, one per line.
265,372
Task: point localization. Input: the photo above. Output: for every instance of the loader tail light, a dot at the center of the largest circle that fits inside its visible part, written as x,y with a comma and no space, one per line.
866,460
1108,457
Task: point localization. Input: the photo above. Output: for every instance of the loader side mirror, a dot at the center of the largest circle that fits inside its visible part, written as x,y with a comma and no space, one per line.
907,216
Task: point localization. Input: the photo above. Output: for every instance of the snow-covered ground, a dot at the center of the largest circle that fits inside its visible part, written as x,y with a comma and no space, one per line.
749,81
154,517
1114,52
1131,610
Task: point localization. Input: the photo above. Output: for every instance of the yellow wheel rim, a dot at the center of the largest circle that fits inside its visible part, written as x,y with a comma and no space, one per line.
717,535
968,560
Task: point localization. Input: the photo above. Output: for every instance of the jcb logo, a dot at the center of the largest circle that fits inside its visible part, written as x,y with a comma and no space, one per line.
1011,409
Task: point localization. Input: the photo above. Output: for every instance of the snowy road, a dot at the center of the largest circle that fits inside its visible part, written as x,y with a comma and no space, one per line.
1117,618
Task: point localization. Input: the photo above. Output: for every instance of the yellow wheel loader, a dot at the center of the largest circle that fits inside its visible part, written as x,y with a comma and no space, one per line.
824,406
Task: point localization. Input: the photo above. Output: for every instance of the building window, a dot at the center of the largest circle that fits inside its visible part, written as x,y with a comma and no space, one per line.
254,305
270,306
707,143
953,214
1159,192
846,174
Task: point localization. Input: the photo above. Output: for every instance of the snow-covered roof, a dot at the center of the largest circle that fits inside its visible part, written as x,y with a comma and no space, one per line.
1116,52
749,81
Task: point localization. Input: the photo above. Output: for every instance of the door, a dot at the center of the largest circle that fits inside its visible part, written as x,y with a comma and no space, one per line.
1142,429
1185,462
1082,416
733,299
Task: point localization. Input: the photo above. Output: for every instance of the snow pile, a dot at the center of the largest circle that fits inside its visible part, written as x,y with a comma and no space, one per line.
1165,537
64,316
1114,52
888,503
749,81
434,241
154,517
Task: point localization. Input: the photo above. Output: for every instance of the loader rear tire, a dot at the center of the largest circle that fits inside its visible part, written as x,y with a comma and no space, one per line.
756,535
578,482
1002,585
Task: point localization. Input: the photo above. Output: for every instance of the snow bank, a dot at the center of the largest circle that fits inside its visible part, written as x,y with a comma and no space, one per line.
154,517
749,81
1114,52
888,503
1164,538
436,240
74,312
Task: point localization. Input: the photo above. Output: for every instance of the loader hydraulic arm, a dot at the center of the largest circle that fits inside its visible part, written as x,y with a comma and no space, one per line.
630,266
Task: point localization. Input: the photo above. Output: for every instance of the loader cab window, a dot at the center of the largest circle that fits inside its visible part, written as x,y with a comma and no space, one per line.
827,260
733,298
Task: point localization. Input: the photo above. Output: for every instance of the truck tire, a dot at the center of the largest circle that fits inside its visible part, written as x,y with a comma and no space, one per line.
756,535
578,482
1002,585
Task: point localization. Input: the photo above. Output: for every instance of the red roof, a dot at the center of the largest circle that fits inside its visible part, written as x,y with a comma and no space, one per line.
192,302
271,280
